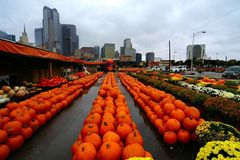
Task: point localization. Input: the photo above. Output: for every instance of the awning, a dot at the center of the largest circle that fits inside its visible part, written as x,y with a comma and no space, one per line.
18,49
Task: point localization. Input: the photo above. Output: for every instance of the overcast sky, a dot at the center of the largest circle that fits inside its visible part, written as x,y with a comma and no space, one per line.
149,23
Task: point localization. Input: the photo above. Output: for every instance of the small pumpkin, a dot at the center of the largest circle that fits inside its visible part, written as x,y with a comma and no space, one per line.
13,128
89,128
3,136
4,151
170,137
183,136
134,137
86,151
173,125
15,143
26,132
109,151
111,136
93,138
133,150
123,130
105,127
189,123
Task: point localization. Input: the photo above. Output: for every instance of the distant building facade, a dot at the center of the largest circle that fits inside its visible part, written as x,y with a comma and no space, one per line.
150,57
89,54
97,51
108,51
38,32
197,51
51,30
10,37
24,38
69,39
138,57
128,50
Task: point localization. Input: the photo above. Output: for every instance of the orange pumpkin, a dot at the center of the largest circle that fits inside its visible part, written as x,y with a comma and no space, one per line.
168,107
192,112
111,136
75,146
93,118
3,136
86,151
173,125
34,124
24,118
26,132
13,128
3,121
105,127
4,112
4,151
123,130
15,143
109,151
89,128
134,137
183,136
93,138
170,137
189,123
177,114
133,150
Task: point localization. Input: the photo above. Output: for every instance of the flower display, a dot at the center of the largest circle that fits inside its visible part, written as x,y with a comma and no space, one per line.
220,150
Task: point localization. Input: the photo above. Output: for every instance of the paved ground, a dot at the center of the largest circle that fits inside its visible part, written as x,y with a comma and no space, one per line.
54,140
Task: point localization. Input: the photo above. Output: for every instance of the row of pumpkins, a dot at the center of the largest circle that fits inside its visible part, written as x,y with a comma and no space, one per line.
18,121
175,121
108,132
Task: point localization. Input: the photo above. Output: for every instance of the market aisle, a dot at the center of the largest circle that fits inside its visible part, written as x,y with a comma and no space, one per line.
152,140
54,140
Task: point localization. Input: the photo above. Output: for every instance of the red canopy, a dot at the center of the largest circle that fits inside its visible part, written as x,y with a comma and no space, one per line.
18,49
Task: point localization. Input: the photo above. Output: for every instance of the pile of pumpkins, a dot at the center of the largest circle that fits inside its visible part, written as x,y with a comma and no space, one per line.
175,121
108,132
18,121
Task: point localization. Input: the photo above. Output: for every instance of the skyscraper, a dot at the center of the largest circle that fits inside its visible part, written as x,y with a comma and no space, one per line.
69,39
39,37
24,38
51,29
150,57
108,51
97,51
128,50
138,57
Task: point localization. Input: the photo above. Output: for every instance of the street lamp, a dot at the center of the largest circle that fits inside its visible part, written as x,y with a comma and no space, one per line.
194,34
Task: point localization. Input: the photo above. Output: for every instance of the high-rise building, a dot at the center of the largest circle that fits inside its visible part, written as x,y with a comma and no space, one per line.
150,57
39,37
138,57
97,51
51,30
197,51
127,50
7,36
108,51
69,39
127,43
24,38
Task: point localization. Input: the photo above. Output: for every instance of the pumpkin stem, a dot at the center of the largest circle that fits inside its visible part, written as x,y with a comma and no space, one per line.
104,123
83,149
108,146
135,134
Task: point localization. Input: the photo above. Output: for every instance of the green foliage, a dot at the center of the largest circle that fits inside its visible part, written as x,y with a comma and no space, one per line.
216,131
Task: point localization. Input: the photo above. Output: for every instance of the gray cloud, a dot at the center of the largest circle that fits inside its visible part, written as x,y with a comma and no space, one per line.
149,23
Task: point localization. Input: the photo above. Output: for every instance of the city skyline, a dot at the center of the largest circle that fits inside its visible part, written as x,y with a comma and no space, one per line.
150,27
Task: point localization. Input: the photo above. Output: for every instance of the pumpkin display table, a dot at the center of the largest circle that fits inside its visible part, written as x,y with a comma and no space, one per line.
54,140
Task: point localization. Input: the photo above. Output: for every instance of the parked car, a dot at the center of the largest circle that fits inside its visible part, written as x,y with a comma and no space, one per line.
232,72
178,68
